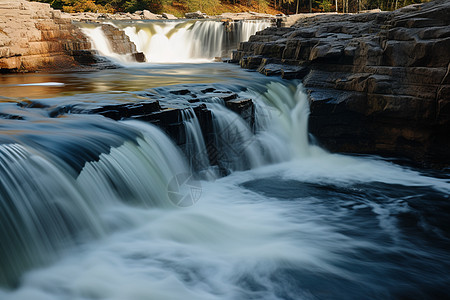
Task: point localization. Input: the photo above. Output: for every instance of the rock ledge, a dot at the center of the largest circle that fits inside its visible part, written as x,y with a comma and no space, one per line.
378,82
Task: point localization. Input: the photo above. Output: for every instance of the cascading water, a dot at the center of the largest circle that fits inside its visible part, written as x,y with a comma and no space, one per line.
101,43
179,41
56,197
87,208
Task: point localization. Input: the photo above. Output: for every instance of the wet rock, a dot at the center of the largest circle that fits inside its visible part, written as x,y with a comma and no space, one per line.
293,72
10,116
378,82
270,69
208,90
139,57
168,113
121,43
251,62
128,110
244,108
181,92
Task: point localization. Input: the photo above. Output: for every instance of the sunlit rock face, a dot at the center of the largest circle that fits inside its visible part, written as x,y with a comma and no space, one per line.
378,82
35,37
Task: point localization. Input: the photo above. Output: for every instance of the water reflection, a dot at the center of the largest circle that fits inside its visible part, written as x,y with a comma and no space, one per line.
138,77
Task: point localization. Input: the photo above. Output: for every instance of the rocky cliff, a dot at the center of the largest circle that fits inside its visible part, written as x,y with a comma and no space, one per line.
378,82
34,37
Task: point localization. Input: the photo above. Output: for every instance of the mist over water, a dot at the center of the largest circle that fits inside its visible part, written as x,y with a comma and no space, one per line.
86,209
184,41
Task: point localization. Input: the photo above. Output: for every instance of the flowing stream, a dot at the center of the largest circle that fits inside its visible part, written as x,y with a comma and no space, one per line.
191,41
92,208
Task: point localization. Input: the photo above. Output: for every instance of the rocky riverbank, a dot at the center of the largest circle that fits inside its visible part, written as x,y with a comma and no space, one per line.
35,37
378,82
147,15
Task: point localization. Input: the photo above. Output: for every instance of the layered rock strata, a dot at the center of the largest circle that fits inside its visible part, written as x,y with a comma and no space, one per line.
121,43
168,113
378,82
34,37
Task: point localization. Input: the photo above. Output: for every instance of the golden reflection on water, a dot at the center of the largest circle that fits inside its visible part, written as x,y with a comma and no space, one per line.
117,80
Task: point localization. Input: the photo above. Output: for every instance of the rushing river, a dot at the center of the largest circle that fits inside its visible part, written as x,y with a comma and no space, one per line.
87,207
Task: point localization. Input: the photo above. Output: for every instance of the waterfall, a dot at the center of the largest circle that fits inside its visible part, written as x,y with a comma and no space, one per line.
46,207
61,180
41,210
101,43
195,147
243,208
178,41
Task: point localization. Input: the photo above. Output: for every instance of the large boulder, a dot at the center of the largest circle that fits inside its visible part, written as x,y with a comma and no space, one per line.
121,43
146,14
169,16
196,15
378,82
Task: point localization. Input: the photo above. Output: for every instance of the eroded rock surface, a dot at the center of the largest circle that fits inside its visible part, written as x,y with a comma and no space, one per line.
168,110
378,82
121,43
35,37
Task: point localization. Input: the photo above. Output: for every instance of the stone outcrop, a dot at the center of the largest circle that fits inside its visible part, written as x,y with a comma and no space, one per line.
147,15
168,112
121,43
378,82
92,16
244,16
169,16
35,37
196,15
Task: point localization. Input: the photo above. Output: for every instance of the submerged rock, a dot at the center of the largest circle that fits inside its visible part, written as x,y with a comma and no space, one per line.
168,110
378,82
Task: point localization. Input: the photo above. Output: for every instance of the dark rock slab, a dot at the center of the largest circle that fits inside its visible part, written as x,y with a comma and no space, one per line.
378,82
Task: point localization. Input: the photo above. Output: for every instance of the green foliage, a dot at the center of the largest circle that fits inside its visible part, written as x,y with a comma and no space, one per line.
324,5
134,5
259,3
194,5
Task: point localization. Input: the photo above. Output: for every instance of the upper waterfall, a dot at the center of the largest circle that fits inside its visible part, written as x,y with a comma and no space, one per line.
179,41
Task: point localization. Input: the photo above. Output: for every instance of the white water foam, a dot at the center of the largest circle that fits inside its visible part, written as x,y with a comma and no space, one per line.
101,43
235,243
177,41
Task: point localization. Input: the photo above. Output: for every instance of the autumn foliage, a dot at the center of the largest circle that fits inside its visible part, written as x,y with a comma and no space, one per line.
212,7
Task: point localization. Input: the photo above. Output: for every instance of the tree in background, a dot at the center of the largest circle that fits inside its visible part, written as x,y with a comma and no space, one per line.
134,5
287,6
324,5
85,5
194,5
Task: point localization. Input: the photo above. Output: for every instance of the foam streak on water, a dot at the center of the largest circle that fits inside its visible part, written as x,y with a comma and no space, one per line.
291,221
